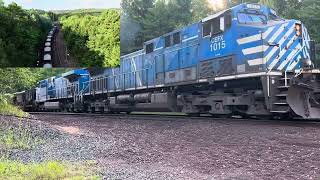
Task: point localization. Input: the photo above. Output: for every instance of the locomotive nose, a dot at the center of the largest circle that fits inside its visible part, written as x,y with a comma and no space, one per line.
304,101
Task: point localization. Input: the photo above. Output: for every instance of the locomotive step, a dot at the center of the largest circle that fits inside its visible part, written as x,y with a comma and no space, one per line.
283,87
279,112
280,103
282,79
281,95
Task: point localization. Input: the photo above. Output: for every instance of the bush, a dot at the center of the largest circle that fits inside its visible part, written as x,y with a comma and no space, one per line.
6,107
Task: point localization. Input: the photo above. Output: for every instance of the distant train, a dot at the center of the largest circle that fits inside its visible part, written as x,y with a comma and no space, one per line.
242,61
48,48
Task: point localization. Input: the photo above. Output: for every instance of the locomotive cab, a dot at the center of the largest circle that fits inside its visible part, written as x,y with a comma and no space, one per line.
78,82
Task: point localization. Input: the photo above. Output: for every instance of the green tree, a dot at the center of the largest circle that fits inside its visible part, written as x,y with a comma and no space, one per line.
200,9
309,14
157,21
21,35
14,80
94,40
180,12
19,79
137,9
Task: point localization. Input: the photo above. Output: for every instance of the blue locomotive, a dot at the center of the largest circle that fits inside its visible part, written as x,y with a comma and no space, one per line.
242,61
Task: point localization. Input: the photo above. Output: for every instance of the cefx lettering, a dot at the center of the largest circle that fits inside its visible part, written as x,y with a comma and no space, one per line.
217,43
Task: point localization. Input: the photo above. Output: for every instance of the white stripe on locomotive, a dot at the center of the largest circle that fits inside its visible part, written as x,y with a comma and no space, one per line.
294,64
254,50
275,36
290,56
274,49
255,62
278,33
284,50
263,48
256,37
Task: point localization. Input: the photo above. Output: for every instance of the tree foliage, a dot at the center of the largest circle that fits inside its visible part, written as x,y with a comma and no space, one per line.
21,34
94,40
19,79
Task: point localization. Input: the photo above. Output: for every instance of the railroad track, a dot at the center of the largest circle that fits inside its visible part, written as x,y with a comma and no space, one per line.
172,117
60,51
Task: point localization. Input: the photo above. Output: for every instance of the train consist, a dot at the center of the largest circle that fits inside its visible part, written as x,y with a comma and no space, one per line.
242,61
48,48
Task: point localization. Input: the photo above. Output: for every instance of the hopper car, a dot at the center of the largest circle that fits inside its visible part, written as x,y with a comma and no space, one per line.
48,49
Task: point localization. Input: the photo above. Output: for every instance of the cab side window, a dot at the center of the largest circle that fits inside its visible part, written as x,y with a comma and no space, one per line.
149,48
176,38
167,41
206,30
228,20
217,25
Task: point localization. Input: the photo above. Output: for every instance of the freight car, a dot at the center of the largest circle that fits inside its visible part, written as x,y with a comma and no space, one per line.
47,51
242,61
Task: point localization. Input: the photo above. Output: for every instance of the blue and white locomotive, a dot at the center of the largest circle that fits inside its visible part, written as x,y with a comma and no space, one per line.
242,61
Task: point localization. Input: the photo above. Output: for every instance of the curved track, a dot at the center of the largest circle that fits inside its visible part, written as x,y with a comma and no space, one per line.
60,51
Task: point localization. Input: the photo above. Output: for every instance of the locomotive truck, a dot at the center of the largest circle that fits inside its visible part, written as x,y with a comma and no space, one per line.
245,61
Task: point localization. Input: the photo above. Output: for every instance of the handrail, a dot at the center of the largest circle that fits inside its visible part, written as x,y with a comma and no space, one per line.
120,74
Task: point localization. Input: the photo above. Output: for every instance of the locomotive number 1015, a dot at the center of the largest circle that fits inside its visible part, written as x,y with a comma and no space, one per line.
217,43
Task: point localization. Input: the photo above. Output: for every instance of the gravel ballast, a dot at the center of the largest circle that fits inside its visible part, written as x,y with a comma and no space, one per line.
131,147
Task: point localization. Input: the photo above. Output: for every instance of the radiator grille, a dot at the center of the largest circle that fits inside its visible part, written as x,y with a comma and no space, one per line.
226,67
206,69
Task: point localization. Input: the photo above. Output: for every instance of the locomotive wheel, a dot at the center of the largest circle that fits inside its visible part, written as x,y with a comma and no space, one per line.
283,117
101,110
89,110
261,117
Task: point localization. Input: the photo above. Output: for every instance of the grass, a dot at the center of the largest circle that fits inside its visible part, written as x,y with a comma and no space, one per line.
15,135
46,170
18,138
6,108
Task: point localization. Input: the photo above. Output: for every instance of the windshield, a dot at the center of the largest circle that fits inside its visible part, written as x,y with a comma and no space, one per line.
246,18
274,17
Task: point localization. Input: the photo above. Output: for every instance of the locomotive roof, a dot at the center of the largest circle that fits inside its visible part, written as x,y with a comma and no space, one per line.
96,71
237,7
76,72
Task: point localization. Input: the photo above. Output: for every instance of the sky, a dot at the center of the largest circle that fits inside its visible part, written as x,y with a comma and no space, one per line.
66,4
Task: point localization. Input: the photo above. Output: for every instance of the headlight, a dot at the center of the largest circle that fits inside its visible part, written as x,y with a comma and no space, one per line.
298,29
253,6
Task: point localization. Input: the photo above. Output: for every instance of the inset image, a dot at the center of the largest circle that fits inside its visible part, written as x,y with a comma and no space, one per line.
59,33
